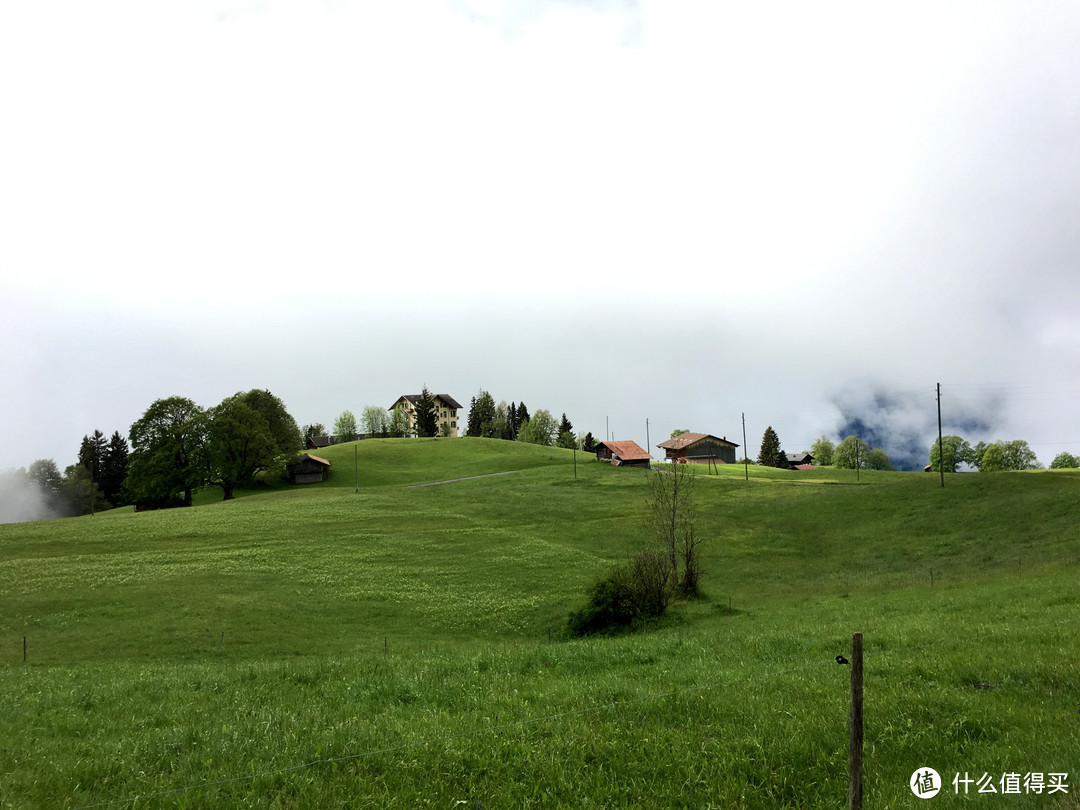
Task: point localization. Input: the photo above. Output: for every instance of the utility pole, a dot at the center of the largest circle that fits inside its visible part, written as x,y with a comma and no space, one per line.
648,441
745,457
940,442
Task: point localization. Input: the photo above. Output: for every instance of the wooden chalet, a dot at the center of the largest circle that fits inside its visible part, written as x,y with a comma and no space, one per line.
316,442
308,469
800,461
699,448
623,454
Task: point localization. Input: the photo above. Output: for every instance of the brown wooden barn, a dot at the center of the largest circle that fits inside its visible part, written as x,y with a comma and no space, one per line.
308,469
623,454
699,448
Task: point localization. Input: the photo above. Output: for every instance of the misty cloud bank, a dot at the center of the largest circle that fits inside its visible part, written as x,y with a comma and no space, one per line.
22,500
904,424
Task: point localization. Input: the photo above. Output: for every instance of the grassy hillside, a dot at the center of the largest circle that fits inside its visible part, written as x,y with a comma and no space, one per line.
315,646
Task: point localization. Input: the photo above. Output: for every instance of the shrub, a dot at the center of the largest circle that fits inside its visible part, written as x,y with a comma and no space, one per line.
610,606
640,589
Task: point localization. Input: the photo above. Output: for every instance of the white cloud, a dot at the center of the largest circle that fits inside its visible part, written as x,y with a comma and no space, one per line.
765,198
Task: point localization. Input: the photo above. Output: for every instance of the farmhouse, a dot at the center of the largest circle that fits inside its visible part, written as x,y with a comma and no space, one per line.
800,461
308,469
446,408
623,454
699,448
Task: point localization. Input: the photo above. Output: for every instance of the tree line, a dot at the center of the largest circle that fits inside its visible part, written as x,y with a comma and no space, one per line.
176,447
513,422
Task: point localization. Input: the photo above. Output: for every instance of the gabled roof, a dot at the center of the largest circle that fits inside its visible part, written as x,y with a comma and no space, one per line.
799,458
415,398
687,439
626,450
307,457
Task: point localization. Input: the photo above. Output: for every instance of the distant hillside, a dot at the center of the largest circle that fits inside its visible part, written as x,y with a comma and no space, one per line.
395,462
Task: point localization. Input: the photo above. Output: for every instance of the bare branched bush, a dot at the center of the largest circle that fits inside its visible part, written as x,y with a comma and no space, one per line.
670,520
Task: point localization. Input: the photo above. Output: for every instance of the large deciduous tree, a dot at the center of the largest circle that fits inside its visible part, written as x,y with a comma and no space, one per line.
851,454
375,420
770,454
345,427
540,429
878,459
249,433
1064,461
822,450
168,442
953,452
1008,455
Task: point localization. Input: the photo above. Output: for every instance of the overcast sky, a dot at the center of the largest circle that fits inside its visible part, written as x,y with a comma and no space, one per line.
669,211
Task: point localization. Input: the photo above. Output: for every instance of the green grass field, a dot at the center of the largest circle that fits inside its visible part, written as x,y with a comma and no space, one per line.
405,646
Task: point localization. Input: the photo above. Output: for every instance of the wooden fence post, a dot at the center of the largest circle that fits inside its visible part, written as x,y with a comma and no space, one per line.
855,749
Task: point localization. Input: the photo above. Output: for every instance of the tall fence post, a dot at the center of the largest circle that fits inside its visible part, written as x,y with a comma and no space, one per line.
855,727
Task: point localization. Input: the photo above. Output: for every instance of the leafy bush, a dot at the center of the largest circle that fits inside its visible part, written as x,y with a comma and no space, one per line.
638,590
610,606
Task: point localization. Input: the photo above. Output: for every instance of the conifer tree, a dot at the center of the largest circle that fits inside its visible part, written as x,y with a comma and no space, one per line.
481,415
427,420
114,468
771,455
565,425
92,453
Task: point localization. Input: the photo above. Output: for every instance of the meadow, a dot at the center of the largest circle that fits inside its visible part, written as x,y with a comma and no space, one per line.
405,646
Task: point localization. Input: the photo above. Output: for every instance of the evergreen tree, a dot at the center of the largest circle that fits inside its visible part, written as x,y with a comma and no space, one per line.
92,453
588,444
770,454
565,425
427,419
521,418
481,415
567,440
114,470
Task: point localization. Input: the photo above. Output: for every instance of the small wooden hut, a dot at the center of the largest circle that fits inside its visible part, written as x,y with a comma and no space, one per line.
308,469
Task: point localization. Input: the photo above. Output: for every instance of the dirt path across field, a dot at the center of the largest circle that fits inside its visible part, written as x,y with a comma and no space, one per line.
452,480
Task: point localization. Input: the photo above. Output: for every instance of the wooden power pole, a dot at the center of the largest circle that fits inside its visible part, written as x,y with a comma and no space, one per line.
940,442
